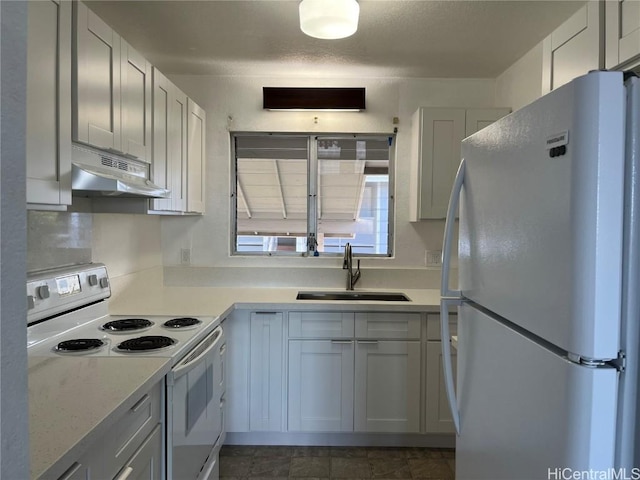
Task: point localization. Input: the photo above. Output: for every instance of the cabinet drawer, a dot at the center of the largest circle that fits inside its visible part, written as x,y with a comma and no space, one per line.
388,325
320,324
433,326
129,432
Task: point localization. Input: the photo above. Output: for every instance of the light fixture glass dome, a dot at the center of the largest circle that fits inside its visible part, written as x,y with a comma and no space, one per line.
329,19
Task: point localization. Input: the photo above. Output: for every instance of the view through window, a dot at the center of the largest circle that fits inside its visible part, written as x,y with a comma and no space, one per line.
301,194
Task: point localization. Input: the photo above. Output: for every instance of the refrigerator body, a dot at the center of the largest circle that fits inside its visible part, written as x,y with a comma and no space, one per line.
544,210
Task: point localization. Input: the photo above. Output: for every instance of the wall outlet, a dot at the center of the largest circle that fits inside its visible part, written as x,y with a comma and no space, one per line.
185,256
433,258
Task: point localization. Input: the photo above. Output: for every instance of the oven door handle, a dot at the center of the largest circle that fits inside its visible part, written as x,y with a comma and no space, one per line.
198,353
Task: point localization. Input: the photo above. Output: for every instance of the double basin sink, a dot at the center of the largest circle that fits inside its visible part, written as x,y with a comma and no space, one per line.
353,295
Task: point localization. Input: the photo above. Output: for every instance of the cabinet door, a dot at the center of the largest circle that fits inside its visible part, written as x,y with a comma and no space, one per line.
573,48
88,467
48,145
438,415
265,411
146,463
160,166
238,334
97,95
321,385
169,142
387,388
437,156
622,31
196,123
177,172
135,106
478,118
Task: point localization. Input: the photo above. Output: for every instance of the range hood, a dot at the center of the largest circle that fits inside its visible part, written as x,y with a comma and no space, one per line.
100,174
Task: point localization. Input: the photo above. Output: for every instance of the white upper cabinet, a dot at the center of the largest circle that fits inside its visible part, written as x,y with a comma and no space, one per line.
196,124
135,107
435,155
97,96
622,32
113,89
574,48
169,143
48,140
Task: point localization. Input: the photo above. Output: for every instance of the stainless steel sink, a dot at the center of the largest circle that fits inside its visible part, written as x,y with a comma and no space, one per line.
348,295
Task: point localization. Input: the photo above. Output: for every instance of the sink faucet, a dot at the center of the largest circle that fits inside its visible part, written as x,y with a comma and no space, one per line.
347,264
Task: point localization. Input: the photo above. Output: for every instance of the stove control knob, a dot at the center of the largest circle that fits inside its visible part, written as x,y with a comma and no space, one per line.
104,282
31,303
43,292
93,280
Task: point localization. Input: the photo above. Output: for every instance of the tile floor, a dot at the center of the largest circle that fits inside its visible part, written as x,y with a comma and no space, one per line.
320,463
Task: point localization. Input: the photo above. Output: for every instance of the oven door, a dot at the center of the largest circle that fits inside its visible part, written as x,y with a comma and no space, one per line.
194,420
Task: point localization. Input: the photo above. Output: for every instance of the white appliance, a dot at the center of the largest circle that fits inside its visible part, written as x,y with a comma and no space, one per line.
548,258
68,316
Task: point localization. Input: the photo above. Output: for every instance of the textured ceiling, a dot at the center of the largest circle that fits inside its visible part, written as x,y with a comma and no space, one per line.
397,38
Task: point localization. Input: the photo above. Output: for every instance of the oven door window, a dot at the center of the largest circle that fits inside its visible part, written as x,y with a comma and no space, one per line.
199,396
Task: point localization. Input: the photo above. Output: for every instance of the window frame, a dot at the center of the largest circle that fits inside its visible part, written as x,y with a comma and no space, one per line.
312,193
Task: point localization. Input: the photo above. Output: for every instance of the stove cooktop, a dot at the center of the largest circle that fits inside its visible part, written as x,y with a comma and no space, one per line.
107,335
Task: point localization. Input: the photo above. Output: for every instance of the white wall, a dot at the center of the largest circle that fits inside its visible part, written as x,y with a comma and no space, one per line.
235,104
126,244
521,83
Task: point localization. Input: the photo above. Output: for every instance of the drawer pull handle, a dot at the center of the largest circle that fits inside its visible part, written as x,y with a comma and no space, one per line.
71,471
125,474
141,402
342,342
368,342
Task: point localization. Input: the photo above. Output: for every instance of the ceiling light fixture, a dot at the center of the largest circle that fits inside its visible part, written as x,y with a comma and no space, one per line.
329,19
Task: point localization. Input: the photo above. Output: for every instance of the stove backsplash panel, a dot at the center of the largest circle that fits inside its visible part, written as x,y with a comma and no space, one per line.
58,239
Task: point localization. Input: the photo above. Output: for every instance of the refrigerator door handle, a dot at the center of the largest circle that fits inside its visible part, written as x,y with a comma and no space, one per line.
445,291
446,359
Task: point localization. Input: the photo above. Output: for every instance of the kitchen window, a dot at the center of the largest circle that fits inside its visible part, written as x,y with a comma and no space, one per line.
298,194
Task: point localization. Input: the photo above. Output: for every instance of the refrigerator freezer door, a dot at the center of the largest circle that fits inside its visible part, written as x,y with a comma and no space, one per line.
541,216
524,411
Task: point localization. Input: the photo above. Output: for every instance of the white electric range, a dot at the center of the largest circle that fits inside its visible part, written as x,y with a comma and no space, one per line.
68,316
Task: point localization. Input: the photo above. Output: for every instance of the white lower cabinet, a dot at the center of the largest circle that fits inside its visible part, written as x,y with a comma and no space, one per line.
321,385
266,369
387,386
332,372
238,334
437,412
146,463
88,467
438,415
364,379
132,448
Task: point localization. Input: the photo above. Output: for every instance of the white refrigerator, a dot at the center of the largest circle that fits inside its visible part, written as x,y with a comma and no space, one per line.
548,259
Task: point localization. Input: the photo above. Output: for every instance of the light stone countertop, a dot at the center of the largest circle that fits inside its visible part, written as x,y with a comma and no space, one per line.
74,401
139,299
